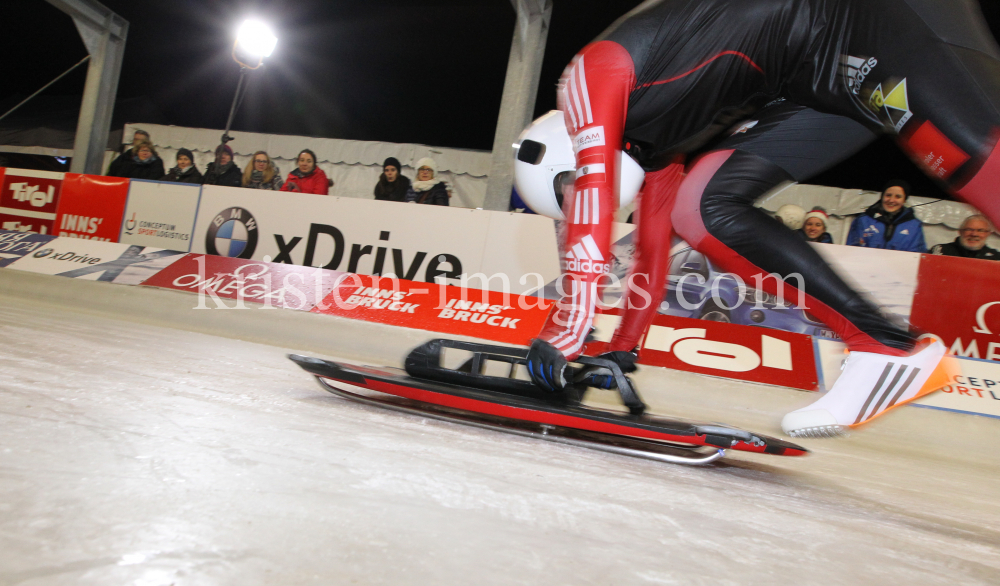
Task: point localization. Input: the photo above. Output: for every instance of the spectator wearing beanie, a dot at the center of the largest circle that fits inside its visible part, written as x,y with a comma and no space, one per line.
145,163
261,173
888,223
223,171
426,189
392,185
185,171
307,178
971,241
814,227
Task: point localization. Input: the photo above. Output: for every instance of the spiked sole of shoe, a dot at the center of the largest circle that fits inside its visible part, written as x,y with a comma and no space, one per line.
823,431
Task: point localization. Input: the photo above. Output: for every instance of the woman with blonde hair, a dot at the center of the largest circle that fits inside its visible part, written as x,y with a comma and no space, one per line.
427,189
262,173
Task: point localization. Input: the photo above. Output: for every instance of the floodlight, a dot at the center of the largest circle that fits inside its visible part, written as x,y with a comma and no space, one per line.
256,39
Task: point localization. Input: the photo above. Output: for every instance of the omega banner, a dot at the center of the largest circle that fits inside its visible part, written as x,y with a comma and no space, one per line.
958,300
412,242
215,278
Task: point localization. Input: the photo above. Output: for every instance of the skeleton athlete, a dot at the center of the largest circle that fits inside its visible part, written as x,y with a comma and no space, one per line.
819,77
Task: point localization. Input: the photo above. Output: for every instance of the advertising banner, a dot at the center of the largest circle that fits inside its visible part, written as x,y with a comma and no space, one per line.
489,315
160,214
215,278
976,390
94,260
889,277
14,245
754,354
523,248
28,200
958,300
413,242
698,289
91,207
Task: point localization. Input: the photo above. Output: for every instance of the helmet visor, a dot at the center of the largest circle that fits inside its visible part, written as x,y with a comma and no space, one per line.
562,184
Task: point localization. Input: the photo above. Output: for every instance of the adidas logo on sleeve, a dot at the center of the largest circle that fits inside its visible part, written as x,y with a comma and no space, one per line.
585,257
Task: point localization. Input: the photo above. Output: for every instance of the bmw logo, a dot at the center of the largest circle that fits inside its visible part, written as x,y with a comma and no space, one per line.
44,252
232,233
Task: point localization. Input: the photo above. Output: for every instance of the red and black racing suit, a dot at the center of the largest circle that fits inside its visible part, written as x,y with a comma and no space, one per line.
818,77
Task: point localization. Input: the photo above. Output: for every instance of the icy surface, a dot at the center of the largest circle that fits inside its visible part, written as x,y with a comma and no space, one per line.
131,454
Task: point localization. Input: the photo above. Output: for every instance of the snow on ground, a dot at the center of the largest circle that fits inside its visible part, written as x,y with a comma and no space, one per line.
132,454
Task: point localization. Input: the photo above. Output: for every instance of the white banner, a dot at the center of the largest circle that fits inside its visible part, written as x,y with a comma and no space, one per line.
888,276
522,247
976,390
93,260
160,214
414,242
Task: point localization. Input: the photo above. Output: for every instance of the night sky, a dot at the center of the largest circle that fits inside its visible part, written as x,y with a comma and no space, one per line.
428,72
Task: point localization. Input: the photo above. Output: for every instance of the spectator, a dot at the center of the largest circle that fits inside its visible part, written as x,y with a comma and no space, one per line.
814,227
185,171
971,241
426,189
307,178
791,215
120,166
223,171
145,163
261,173
888,223
392,185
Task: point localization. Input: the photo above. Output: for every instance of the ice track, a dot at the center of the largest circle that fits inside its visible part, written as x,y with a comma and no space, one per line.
136,454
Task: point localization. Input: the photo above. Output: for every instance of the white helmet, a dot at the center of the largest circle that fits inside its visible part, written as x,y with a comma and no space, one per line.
545,163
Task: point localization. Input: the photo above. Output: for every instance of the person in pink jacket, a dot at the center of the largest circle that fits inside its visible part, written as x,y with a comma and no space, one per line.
307,178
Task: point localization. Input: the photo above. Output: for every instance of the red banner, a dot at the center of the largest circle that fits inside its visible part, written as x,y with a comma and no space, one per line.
958,300
762,355
91,207
720,349
28,200
489,315
216,278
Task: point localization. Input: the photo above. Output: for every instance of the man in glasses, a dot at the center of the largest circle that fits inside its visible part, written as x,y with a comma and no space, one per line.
971,241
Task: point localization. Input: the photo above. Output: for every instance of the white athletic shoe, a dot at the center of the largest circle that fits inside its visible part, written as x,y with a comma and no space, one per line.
870,385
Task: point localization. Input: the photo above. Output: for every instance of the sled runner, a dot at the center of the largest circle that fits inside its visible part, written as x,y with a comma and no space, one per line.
468,395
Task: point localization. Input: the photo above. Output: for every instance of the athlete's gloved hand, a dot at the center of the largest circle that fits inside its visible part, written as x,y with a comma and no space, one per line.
548,367
601,377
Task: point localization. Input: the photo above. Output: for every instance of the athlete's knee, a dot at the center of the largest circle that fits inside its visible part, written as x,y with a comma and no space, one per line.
686,216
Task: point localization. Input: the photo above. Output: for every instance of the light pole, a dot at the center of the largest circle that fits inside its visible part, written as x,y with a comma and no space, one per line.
254,41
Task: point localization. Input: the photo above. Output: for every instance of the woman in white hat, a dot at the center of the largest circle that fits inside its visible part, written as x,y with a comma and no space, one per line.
814,227
427,189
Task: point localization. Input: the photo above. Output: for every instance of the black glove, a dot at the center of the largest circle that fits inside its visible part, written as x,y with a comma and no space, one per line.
602,378
548,367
